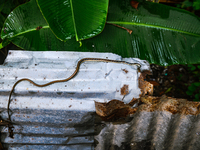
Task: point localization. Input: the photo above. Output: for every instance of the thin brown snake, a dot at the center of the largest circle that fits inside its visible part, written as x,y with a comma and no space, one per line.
72,76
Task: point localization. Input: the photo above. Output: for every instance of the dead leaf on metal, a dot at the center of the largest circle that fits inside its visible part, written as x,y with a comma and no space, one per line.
133,101
145,86
125,90
150,100
181,106
148,103
145,73
113,110
172,105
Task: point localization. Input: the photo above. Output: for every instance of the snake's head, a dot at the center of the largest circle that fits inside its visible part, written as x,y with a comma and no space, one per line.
136,64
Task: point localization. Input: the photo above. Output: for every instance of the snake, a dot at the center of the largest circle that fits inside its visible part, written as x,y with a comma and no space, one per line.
69,78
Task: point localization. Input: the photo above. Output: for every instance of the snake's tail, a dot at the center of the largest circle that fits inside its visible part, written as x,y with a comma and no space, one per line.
9,99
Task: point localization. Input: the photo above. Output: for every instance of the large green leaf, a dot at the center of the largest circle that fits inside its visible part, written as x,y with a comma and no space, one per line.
161,34
80,18
24,19
26,27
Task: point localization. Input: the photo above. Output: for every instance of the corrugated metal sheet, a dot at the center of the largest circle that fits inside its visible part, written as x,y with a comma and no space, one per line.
169,124
62,115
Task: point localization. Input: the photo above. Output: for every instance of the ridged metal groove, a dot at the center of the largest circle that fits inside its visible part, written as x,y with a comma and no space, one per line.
153,128
60,116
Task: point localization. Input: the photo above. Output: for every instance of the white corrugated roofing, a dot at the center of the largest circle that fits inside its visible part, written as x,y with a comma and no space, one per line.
61,115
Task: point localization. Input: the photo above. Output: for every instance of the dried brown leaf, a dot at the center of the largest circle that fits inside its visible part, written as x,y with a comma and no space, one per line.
145,86
134,4
113,110
172,105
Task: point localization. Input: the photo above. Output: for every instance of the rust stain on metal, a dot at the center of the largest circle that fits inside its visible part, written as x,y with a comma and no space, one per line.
125,90
126,71
145,87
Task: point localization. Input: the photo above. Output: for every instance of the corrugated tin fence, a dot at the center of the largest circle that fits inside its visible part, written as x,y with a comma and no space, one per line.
62,116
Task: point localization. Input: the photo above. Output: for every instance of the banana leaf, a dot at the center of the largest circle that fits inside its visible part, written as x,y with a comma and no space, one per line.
80,18
160,34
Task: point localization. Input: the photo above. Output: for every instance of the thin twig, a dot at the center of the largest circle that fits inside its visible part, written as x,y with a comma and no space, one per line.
128,30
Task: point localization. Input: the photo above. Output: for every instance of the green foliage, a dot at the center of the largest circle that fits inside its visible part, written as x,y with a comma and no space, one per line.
168,90
195,4
82,19
194,88
192,67
6,6
160,34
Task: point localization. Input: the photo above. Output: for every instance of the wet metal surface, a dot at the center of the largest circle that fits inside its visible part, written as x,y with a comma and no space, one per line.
61,115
